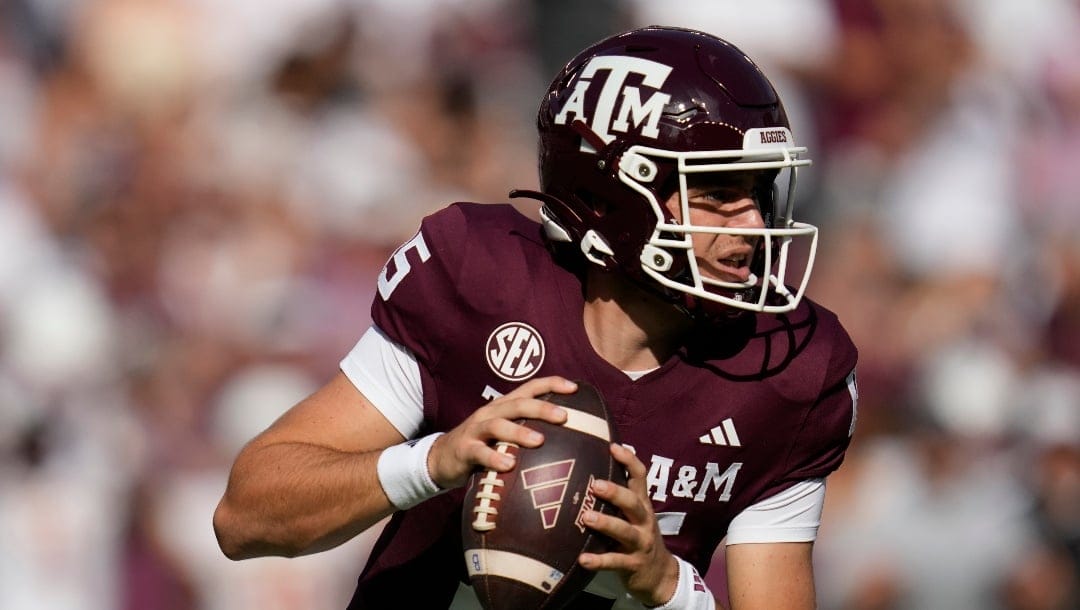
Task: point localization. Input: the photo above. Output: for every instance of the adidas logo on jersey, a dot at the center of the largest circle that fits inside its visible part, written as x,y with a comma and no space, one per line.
723,435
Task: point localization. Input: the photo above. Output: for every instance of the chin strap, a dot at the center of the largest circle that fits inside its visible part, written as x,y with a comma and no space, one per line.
711,312
591,243
537,195
593,246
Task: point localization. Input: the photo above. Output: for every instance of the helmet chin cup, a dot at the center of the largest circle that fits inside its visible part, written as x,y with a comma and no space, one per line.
591,243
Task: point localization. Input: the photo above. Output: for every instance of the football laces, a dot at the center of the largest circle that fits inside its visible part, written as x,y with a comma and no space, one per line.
487,494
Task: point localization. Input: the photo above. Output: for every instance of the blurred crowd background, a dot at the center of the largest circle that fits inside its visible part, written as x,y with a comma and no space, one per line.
196,197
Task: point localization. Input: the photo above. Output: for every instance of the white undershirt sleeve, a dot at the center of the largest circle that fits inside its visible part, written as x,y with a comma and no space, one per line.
792,515
387,374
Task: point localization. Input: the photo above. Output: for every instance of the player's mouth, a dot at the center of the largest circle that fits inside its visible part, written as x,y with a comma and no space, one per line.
734,267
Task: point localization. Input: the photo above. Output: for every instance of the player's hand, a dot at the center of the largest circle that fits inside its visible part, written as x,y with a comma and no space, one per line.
457,453
648,570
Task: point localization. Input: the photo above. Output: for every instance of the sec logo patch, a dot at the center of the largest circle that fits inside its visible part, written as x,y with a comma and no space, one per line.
515,351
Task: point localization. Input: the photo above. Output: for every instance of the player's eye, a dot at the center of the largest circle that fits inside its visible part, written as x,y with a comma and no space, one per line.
725,194
720,195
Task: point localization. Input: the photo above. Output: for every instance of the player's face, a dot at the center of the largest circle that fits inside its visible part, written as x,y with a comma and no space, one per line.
722,200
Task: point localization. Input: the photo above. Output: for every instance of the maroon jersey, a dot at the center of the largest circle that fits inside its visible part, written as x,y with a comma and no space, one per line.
744,413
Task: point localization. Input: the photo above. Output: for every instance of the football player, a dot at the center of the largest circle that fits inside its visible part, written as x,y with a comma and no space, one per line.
669,272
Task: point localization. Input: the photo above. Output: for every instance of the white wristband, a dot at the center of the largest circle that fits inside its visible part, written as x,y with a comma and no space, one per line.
691,592
403,472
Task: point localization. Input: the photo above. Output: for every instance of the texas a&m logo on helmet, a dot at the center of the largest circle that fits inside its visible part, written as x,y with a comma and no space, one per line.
619,104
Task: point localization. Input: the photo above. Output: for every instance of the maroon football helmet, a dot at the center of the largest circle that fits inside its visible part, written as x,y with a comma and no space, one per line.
621,128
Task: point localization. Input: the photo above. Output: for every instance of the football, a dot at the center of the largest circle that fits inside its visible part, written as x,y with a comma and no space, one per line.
522,530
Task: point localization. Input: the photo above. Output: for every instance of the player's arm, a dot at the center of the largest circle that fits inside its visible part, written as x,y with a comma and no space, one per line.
769,552
770,547
320,474
770,544
771,575
307,483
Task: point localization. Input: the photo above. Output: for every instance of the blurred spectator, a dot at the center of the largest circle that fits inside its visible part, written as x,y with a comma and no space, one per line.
183,499
921,522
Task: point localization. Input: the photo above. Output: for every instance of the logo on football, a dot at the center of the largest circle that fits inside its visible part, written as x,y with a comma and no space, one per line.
522,530
547,484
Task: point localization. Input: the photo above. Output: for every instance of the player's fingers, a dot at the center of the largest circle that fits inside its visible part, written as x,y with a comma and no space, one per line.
635,468
495,458
543,385
500,429
628,501
628,536
530,408
456,454
606,561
